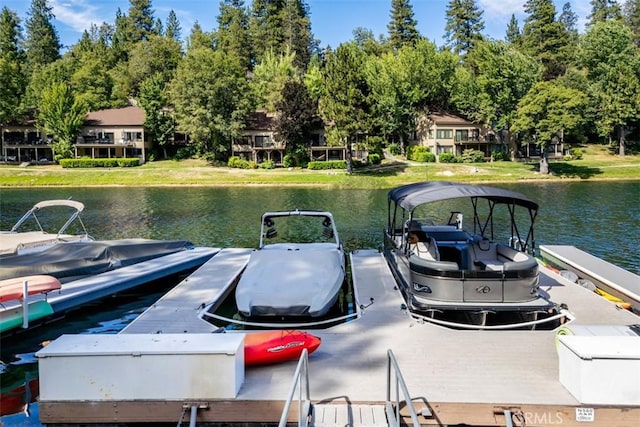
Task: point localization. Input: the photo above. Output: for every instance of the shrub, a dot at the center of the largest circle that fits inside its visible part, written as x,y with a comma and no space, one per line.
184,153
424,157
447,158
333,164
499,156
240,163
267,164
394,149
472,156
86,162
289,161
576,153
374,159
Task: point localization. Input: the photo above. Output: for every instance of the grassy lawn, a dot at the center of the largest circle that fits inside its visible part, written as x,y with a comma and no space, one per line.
596,164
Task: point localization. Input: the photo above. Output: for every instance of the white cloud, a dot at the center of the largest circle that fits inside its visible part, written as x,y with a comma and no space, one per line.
500,8
77,14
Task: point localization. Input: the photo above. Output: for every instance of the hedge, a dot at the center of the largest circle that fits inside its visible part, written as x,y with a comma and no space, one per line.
86,162
333,164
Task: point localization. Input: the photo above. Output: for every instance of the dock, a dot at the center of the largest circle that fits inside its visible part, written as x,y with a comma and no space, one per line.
76,293
473,377
617,281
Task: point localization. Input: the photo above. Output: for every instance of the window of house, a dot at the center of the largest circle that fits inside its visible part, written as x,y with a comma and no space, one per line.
462,135
261,141
444,134
445,149
430,133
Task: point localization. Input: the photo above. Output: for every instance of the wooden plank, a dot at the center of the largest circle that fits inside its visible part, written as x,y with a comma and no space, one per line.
444,413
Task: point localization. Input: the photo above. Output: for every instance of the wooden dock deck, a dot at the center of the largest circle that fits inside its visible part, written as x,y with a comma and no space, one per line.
463,376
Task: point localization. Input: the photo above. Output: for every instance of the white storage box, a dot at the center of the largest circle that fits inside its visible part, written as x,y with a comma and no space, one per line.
142,366
601,370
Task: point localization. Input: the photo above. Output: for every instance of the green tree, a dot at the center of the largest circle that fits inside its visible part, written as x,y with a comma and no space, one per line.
209,97
158,119
366,41
611,59
140,20
504,76
297,117
281,26
604,10
544,38
546,112
42,44
232,35
12,78
198,39
345,101
61,114
173,30
403,26
464,25
269,78
407,82
513,35
632,18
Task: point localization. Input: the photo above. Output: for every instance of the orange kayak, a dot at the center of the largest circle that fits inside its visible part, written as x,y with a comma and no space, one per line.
11,289
264,348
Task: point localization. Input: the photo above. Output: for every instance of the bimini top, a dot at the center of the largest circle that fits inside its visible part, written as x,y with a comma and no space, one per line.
410,196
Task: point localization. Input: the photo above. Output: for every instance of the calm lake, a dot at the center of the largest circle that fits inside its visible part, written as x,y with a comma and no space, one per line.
601,218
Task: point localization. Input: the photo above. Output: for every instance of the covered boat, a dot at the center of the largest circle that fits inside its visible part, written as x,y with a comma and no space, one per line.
71,260
298,269
18,241
482,275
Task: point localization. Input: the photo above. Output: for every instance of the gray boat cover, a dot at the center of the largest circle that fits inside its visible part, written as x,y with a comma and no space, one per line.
84,258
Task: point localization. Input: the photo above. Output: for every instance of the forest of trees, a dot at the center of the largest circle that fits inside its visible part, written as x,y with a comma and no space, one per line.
543,81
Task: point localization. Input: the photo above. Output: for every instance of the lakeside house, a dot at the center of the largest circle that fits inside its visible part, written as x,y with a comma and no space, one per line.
120,132
442,132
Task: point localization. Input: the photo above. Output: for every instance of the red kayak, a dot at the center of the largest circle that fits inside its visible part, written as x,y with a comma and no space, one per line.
263,348
11,289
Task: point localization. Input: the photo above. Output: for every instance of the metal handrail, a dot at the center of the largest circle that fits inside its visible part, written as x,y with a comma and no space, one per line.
393,415
301,382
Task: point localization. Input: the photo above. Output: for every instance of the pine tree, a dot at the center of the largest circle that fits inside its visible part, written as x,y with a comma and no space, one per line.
603,10
281,26
232,36
513,36
569,20
464,25
632,18
12,79
42,43
402,28
10,34
173,30
544,38
141,20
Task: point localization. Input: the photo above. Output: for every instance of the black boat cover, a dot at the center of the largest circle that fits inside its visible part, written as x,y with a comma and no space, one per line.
71,259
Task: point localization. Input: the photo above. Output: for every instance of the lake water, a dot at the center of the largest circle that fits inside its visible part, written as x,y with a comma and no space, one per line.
601,218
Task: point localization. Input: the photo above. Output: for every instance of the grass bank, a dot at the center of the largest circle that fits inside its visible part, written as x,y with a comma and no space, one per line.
597,164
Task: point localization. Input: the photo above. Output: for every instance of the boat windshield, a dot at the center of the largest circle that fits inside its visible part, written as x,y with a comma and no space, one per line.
298,229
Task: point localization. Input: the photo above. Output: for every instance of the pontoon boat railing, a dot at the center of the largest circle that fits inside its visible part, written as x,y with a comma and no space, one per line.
300,382
393,413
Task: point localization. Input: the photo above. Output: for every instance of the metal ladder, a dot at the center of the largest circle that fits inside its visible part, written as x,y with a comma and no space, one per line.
346,414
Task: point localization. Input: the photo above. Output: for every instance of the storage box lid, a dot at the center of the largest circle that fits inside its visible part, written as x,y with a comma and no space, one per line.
602,347
139,344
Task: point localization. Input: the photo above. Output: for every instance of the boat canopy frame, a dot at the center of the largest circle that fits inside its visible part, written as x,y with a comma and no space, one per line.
408,197
78,206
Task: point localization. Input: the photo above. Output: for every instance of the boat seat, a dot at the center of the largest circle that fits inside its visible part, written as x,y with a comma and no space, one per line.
427,250
485,256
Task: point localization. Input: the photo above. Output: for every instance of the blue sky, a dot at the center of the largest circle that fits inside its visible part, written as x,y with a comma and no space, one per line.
333,21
